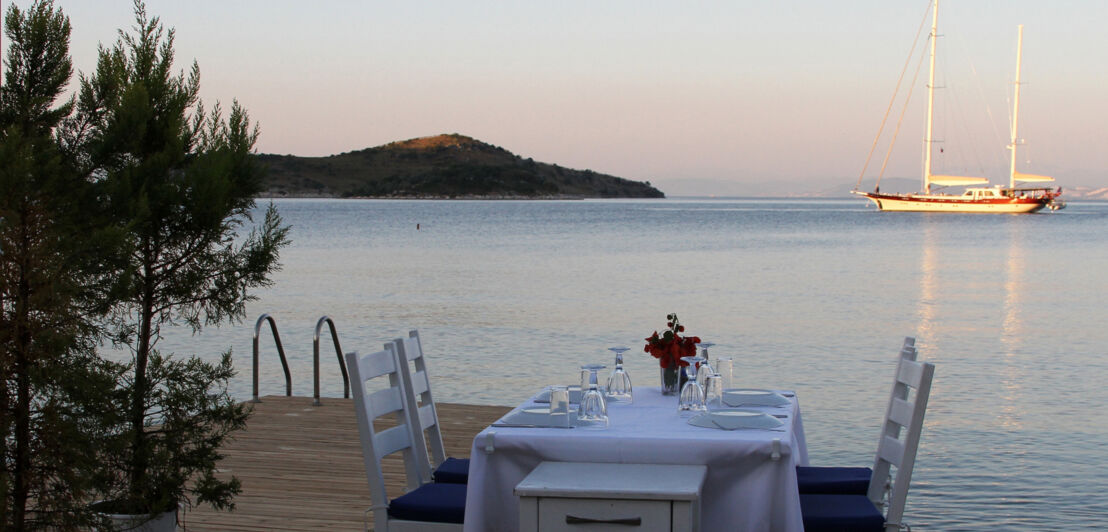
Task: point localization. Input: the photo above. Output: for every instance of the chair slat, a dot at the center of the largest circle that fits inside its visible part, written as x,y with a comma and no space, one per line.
385,401
427,416
910,373
891,450
420,383
391,440
901,411
376,364
412,349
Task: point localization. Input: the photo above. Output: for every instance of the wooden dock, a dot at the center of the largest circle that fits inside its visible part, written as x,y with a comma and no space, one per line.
301,466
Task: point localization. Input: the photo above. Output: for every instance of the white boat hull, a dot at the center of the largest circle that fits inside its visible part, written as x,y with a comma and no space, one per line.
945,203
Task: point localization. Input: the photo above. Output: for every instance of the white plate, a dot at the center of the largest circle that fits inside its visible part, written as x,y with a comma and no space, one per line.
752,397
735,418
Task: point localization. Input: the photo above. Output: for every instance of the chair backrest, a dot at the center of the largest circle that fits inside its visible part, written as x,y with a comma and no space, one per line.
900,390
422,414
379,391
897,448
883,481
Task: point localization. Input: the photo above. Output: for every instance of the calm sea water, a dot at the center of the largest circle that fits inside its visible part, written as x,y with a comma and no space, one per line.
814,296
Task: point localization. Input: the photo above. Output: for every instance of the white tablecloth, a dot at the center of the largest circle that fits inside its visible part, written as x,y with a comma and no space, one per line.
746,488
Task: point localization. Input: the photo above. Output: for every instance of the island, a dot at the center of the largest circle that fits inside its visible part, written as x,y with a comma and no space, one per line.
442,166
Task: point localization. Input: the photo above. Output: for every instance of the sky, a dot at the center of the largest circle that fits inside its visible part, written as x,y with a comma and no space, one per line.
697,97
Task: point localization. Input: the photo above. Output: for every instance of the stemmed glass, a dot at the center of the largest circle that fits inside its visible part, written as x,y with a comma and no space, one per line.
588,372
692,395
593,412
706,367
619,383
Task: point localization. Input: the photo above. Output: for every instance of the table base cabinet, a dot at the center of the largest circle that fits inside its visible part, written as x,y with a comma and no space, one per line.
600,497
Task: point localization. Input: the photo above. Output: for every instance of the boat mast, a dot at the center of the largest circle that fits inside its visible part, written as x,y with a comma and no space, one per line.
927,141
1016,111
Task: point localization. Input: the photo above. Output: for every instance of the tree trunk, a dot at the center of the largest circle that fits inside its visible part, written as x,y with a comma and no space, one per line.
140,460
22,466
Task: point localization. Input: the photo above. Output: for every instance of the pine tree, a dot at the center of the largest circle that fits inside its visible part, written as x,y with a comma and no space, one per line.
181,183
53,415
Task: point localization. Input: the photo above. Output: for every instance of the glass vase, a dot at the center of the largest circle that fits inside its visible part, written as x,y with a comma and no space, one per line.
671,377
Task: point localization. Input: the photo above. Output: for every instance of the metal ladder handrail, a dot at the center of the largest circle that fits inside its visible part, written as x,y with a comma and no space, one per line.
338,352
280,351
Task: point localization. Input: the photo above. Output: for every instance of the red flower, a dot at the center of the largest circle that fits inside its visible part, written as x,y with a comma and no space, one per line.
669,347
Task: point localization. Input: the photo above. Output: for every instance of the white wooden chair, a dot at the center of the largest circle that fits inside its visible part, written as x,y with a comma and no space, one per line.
423,415
857,480
897,449
379,390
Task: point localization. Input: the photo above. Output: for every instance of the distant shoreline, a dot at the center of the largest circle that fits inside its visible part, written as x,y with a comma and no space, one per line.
1077,199
433,197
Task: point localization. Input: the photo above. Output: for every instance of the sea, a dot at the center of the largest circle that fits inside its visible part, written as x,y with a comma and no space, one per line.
809,295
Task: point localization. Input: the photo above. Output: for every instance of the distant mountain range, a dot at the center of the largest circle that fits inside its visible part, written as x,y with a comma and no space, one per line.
442,166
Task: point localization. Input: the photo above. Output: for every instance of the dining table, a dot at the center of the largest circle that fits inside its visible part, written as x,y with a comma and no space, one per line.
750,483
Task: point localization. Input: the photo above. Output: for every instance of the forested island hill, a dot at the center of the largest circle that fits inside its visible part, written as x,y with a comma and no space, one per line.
442,166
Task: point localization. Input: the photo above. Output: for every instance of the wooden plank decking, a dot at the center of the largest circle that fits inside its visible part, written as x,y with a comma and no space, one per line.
301,466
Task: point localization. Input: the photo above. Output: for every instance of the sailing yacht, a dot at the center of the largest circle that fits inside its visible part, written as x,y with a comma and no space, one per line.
975,199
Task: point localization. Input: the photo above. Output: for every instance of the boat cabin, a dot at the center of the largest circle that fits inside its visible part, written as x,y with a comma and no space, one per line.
1001,192
983,193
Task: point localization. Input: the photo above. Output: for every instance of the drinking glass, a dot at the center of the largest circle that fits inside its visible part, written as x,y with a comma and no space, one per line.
706,366
725,366
692,395
713,392
559,406
619,383
593,411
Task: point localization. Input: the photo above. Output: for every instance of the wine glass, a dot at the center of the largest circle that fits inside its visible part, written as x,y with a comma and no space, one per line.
619,383
588,371
706,367
692,395
593,411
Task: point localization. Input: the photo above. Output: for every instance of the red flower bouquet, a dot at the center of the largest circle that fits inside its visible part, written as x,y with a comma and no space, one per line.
670,346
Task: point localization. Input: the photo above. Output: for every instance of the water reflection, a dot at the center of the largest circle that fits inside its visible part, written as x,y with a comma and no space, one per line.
928,259
1011,337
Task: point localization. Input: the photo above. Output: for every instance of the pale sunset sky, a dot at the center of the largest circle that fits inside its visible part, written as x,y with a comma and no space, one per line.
697,97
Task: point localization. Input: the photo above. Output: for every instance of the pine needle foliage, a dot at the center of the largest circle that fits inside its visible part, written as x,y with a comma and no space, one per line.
180,182
53,280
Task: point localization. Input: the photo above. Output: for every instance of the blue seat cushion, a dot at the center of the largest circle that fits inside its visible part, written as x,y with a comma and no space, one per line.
840,513
441,503
453,471
833,480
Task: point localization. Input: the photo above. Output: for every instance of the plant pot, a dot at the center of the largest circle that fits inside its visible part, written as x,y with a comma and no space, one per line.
164,522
